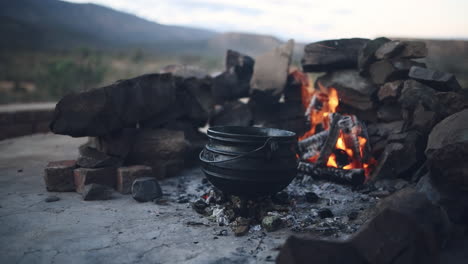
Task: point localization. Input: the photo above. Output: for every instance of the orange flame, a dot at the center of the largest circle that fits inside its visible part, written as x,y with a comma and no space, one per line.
319,104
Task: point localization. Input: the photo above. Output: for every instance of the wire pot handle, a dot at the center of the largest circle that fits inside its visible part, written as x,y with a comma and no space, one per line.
273,147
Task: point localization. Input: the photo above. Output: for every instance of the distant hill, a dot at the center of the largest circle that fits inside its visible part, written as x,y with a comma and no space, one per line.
53,24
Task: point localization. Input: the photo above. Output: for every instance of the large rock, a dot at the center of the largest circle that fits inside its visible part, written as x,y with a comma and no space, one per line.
389,70
116,144
366,55
58,176
271,71
162,149
441,81
413,50
146,189
234,82
353,89
103,110
332,54
390,92
447,152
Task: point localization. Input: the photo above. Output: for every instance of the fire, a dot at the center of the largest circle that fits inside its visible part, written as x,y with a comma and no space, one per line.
320,104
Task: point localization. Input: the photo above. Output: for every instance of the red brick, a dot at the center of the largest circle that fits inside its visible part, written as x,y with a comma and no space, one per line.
105,176
58,176
126,176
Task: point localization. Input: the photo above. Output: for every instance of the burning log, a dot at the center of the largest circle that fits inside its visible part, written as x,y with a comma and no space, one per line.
330,142
311,146
350,128
353,176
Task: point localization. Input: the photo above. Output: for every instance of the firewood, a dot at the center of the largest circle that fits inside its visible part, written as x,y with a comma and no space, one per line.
330,143
311,146
353,176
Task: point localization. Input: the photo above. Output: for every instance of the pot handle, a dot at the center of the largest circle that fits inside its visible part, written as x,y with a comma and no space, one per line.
273,147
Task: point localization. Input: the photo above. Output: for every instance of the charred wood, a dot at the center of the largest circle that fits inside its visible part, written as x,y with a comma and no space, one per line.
353,176
311,146
330,143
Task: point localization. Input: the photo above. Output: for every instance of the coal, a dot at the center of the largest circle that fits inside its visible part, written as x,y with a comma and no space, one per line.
332,54
353,89
366,55
199,206
271,71
325,213
311,197
272,223
440,81
100,111
146,189
94,192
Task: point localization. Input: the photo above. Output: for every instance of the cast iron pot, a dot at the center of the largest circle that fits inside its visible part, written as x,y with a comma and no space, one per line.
249,161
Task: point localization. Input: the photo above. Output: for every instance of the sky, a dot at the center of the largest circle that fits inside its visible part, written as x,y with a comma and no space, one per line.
308,20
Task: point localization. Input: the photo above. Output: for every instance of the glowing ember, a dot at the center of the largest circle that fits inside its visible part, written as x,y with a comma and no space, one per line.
350,146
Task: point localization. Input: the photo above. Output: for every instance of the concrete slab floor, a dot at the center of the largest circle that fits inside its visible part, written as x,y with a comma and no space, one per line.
120,230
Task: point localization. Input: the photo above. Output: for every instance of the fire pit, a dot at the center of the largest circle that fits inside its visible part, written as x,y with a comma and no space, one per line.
249,161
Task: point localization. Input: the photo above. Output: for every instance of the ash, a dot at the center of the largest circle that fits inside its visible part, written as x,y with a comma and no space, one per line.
305,206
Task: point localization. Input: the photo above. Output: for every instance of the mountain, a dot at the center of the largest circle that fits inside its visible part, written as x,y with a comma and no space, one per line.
57,24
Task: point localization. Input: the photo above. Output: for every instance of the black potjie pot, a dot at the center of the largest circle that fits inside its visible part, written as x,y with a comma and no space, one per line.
249,161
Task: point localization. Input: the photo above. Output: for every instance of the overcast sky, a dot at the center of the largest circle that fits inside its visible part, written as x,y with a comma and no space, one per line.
307,20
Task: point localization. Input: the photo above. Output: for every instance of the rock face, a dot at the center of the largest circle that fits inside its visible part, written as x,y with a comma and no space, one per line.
161,149
271,71
447,152
104,110
146,189
58,176
332,54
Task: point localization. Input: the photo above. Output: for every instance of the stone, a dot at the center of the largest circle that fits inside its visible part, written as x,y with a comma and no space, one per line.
384,71
93,158
146,189
58,176
325,213
51,199
103,176
233,113
447,152
366,55
353,89
384,129
400,158
390,91
95,192
332,54
440,81
271,71
389,50
100,111
117,144
413,50
162,149
305,250
389,112
452,103
311,197
272,223
234,82
126,176
199,206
